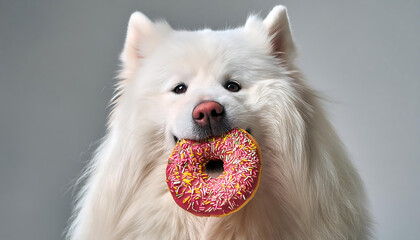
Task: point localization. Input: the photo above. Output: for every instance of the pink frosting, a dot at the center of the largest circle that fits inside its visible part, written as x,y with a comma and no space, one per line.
198,193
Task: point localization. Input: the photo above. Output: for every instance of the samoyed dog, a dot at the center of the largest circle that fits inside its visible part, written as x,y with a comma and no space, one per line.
247,78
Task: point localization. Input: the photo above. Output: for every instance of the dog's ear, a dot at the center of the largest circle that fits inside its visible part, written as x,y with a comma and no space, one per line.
142,37
278,27
139,29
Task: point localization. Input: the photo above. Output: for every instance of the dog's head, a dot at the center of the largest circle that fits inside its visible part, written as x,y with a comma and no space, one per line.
197,84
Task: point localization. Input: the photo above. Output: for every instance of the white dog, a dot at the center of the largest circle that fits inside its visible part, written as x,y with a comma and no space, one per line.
308,190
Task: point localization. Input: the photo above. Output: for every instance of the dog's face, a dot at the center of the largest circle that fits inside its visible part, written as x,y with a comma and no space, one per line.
205,85
200,84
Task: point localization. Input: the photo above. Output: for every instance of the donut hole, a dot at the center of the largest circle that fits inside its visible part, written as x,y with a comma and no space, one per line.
214,168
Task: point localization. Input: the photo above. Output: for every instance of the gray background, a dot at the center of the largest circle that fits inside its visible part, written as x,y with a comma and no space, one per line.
58,60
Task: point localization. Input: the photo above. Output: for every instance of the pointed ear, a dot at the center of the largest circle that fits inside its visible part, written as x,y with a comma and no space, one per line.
277,24
140,29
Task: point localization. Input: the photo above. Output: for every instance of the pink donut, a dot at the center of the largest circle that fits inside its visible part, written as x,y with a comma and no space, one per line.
200,194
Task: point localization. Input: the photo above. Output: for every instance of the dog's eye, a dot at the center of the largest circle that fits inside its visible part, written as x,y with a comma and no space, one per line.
232,86
180,89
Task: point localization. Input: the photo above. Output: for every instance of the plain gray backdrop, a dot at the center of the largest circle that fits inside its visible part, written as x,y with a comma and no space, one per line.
58,60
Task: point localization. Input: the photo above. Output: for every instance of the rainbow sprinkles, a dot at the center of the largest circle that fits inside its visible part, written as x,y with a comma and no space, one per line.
198,193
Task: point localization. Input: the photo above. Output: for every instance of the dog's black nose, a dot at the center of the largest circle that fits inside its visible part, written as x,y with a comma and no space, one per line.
208,113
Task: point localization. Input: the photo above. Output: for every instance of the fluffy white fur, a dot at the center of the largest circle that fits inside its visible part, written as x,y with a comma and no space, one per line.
309,188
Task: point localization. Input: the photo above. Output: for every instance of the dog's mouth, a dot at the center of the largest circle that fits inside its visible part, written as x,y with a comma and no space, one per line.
176,139
214,168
